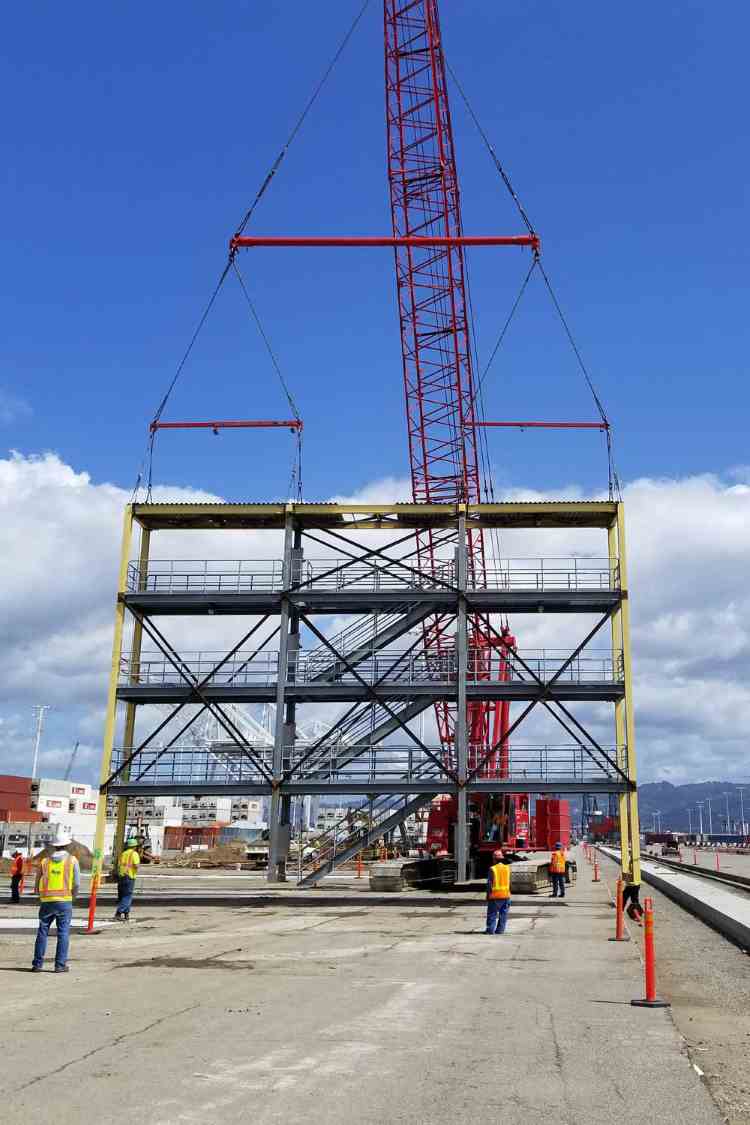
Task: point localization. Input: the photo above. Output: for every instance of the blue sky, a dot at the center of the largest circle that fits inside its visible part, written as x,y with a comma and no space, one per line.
135,136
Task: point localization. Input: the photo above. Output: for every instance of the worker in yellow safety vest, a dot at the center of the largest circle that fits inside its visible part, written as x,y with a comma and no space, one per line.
557,866
498,895
57,883
127,869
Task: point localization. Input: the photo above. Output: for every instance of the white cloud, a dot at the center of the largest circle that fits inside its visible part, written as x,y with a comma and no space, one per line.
688,541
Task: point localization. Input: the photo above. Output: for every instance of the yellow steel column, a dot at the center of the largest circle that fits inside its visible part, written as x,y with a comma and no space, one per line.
131,708
632,799
111,716
620,724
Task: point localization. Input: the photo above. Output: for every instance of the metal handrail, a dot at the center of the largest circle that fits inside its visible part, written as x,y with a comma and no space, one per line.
246,668
538,574
381,763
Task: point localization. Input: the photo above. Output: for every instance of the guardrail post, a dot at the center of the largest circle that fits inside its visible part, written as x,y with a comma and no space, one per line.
651,1000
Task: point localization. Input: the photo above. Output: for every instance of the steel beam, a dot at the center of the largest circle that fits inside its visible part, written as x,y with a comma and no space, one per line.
357,601
111,713
522,513
289,632
318,787
631,801
136,645
460,732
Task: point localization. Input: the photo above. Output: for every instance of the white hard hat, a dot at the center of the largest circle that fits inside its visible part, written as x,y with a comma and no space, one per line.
62,837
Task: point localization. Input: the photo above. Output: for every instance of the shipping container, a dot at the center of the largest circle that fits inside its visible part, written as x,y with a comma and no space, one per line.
177,837
51,787
552,822
82,806
14,801
240,834
23,816
10,784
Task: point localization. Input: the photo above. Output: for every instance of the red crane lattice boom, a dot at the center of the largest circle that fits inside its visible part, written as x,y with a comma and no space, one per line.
438,374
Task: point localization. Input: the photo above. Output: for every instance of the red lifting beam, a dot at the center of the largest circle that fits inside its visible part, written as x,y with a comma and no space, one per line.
410,240
238,424
548,425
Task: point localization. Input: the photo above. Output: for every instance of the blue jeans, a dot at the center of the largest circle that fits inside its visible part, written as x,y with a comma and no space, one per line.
558,885
497,915
125,886
62,914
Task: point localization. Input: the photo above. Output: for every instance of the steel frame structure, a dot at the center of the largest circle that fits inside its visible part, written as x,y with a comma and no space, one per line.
391,592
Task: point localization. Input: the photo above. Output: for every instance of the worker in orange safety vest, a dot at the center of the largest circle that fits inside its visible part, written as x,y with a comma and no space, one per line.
16,877
57,884
498,895
557,865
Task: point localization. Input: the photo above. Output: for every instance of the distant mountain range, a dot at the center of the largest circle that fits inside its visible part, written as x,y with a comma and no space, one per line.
673,802
670,801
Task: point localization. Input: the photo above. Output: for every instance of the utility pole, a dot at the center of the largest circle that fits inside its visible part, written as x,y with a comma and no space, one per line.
690,821
710,819
729,827
39,711
743,830
700,814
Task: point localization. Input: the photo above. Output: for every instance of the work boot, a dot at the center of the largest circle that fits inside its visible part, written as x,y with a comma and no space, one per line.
62,969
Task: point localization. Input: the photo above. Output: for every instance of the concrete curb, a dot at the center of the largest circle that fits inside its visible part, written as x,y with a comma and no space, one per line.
717,915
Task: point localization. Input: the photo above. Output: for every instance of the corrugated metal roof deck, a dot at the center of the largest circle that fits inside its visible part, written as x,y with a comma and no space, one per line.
264,514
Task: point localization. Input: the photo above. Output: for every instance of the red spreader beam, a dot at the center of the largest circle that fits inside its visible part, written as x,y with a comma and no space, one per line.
547,425
235,424
413,241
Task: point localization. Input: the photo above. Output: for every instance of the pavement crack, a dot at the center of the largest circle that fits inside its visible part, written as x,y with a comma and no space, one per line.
104,1047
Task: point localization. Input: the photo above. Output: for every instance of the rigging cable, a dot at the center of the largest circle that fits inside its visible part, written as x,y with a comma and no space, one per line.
535,262
311,101
490,149
484,449
613,479
614,482
147,463
297,470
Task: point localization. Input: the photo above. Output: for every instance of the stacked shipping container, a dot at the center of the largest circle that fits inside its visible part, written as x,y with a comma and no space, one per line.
15,799
551,822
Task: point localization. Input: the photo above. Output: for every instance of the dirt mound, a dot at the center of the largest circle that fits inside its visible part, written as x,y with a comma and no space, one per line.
80,851
223,855
83,855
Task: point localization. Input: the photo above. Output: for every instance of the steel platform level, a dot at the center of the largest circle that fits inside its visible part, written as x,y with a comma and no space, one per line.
359,564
